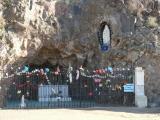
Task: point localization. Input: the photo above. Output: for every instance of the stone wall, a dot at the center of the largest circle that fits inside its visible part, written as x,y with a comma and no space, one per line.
65,31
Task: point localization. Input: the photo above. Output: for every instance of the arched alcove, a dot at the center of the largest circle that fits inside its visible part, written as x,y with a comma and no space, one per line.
104,36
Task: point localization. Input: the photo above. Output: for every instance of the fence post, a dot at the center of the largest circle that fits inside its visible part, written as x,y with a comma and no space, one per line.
140,98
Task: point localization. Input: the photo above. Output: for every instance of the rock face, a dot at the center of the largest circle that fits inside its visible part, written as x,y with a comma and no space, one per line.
65,31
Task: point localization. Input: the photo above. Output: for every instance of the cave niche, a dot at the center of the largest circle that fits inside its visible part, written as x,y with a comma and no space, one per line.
104,36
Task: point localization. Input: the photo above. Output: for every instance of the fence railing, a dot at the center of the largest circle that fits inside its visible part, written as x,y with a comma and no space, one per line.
50,90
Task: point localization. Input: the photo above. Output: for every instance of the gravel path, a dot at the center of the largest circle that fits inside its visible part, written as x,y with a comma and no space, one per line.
109,113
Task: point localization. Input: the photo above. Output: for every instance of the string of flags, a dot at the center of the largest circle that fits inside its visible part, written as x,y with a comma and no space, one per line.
105,73
99,73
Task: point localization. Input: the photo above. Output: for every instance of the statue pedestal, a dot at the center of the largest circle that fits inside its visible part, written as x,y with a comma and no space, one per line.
141,101
53,93
140,98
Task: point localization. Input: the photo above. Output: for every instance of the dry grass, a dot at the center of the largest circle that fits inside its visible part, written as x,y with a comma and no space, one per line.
152,22
2,23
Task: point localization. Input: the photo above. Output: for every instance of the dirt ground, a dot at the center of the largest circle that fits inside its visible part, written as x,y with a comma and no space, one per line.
109,113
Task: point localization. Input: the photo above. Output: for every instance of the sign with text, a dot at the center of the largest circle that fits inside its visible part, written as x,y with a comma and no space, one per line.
128,88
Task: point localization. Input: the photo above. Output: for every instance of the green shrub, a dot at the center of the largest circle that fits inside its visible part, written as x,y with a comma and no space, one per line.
7,3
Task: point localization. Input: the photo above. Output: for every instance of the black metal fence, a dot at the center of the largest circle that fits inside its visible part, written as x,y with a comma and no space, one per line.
63,90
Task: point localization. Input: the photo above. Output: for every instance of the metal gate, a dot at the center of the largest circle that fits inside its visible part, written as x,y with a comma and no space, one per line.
69,90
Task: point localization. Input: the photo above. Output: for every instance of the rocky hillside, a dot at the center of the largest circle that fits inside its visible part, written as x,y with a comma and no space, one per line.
65,31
